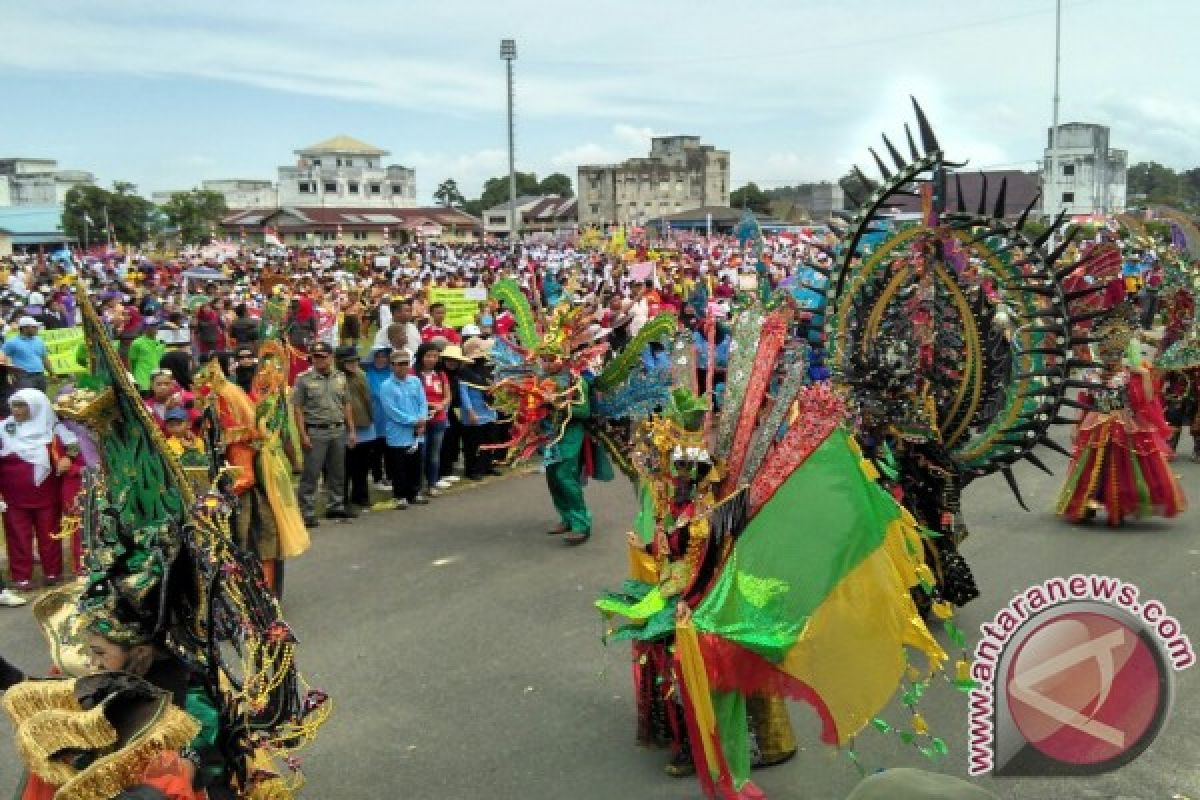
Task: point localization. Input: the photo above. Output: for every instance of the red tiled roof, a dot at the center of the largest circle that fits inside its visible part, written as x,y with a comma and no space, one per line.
350,218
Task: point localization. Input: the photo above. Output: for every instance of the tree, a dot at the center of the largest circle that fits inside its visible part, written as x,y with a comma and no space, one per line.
195,214
556,183
856,191
131,218
447,194
751,197
1157,183
495,190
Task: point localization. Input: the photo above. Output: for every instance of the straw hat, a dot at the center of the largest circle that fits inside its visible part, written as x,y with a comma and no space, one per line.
475,348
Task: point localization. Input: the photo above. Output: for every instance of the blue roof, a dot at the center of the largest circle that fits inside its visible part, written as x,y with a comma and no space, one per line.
31,220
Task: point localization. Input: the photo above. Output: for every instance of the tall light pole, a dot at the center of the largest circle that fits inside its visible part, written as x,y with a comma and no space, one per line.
508,53
1052,179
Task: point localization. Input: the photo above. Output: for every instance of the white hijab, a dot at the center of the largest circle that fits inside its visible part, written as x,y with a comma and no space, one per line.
30,440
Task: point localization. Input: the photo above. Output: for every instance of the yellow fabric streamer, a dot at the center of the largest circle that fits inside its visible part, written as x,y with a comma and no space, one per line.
695,678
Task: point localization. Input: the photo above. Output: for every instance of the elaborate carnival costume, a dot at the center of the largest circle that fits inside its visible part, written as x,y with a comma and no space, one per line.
1178,360
818,605
165,574
1120,460
957,337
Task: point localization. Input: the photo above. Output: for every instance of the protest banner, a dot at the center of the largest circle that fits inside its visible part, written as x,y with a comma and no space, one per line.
461,304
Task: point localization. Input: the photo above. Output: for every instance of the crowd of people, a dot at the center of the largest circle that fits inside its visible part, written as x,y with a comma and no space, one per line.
334,383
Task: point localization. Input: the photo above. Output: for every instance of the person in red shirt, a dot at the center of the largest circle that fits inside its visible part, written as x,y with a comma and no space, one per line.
439,397
437,326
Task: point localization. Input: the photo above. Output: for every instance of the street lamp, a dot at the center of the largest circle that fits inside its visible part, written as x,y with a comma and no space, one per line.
508,54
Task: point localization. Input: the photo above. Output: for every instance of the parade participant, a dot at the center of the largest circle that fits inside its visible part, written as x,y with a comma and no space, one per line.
325,422
29,487
1119,462
166,394
358,457
279,525
437,394
245,330
181,441
28,356
405,416
244,367
145,352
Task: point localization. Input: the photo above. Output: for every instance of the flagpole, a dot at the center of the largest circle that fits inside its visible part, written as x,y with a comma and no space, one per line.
107,229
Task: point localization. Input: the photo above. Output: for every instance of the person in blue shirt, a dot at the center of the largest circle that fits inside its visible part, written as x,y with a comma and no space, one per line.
405,412
477,418
27,354
378,368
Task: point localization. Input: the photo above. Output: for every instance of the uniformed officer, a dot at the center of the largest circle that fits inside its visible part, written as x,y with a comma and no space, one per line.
326,425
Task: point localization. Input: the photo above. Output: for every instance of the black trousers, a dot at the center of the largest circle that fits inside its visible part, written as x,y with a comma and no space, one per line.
358,470
404,471
451,444
478,461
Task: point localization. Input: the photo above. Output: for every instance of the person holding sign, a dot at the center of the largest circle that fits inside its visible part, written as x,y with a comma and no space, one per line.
437,326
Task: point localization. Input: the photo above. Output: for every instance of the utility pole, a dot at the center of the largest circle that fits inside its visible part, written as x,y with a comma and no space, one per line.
508,53
1052,178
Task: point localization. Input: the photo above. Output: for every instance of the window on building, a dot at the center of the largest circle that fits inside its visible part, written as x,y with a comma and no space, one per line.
397,189
352,187
376,188
595,208
331,187
1068,197
1068,169
360,236
299,237
349,162
316,162
500,220
305,187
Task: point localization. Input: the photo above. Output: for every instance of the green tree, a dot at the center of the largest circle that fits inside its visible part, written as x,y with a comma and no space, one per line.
856,190
495,190
195,214
1159,184
556,183
131,218
751,197
447,194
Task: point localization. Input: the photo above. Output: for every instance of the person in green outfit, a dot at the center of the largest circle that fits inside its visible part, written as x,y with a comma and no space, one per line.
571,458
144,354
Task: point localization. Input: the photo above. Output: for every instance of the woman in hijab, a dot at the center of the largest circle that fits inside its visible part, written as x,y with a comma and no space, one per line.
31,460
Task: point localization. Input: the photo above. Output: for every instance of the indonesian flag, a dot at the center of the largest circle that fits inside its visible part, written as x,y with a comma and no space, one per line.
271,237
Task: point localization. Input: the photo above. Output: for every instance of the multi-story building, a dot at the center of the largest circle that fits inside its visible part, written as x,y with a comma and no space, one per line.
238,193
1089,176
38,181
344,172
308,226
680,173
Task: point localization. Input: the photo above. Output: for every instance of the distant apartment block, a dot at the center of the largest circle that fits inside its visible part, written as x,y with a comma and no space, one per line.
38,182
1089,176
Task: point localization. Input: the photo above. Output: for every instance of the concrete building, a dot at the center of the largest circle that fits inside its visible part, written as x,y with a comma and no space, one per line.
536,214
1089,176
38,182
30,229
680,173
343,172
307,226
238,193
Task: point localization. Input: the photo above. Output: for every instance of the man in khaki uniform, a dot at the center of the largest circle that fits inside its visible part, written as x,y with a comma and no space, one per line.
326,425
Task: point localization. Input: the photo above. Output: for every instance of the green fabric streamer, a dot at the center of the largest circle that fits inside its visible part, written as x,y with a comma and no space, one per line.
729,709
772,583
509,292
643,523
659,329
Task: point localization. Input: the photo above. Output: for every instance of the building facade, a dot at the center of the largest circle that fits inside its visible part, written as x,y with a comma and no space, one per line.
343,172
1089,176
308,226
679,173
536,214
38,182
238,193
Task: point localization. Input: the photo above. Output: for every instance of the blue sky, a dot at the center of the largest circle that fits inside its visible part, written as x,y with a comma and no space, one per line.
168,94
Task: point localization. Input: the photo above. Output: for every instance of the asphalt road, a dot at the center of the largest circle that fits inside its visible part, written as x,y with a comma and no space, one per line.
461,649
